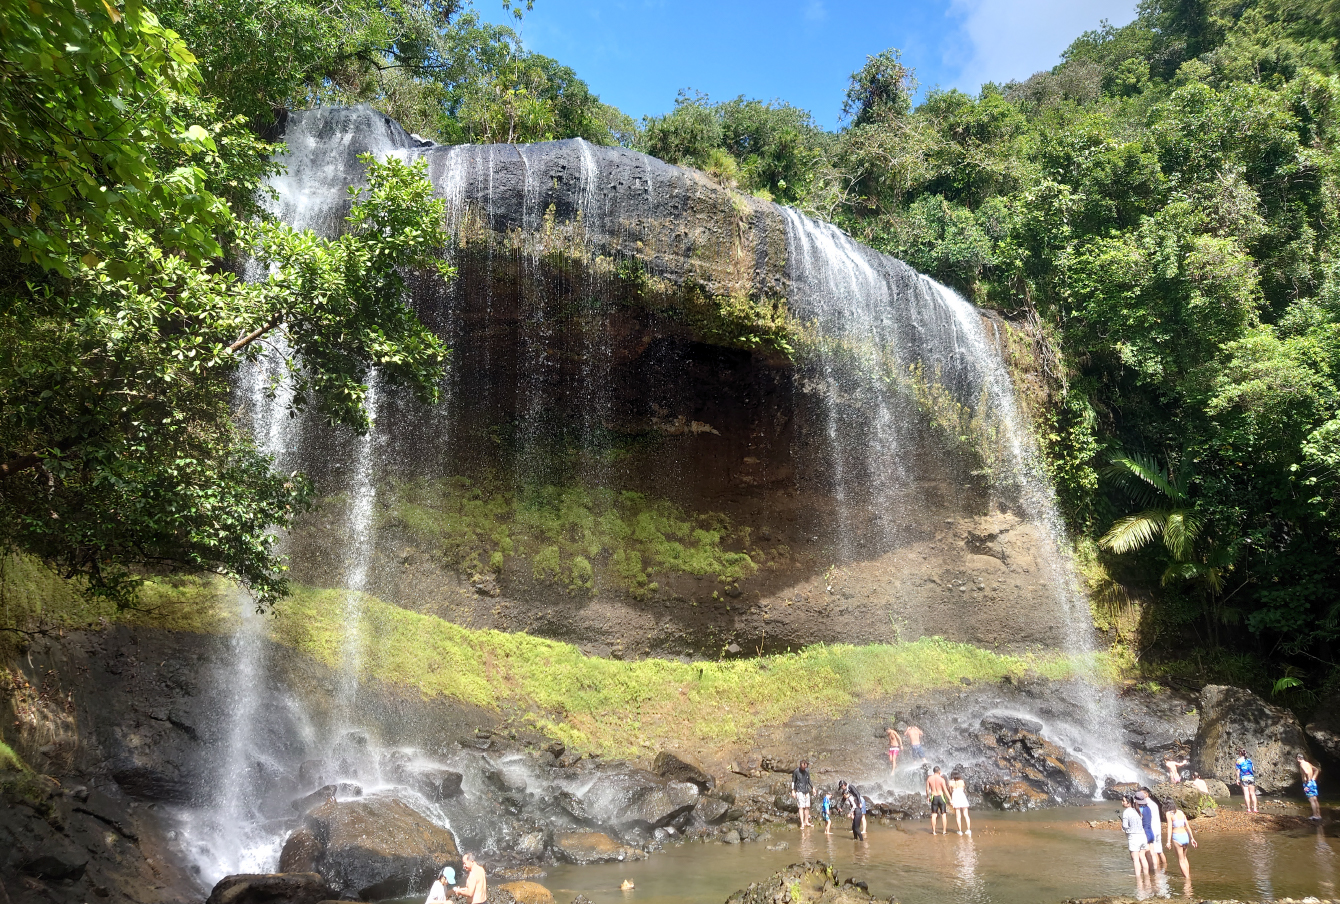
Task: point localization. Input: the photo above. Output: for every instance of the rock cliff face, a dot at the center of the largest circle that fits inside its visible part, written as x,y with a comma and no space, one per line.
679,418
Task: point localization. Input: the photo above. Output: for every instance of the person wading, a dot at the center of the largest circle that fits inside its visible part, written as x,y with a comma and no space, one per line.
438,893
958,799
1247,779
1179,834
801,789
476,889
937,795
1134,828
1310,773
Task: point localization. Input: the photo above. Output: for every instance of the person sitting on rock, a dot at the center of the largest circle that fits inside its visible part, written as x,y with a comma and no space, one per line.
445,880
1199,783
1310,773
476,889
1247,779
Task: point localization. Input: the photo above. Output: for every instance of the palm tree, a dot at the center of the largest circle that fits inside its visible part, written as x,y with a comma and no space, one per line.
1167,514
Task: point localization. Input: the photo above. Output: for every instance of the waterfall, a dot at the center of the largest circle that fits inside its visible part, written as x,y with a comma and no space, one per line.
359,547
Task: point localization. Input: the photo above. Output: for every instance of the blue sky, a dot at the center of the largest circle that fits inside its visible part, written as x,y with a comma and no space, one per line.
636,54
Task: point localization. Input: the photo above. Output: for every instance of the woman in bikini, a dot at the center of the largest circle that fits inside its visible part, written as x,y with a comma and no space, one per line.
1179,834
895,748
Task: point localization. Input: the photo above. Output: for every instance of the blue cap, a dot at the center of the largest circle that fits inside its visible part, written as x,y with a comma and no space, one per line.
449,874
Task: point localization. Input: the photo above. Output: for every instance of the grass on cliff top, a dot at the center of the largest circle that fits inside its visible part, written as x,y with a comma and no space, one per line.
629,708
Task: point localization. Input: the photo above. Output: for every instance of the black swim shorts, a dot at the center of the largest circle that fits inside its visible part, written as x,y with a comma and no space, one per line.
939,805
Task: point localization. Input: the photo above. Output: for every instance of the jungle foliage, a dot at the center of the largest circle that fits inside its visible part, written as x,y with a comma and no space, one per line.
1160,212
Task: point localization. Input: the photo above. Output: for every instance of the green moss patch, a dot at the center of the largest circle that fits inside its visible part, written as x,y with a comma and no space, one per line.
584,539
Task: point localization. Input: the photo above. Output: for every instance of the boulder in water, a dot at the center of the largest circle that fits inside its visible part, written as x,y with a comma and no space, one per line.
1194,803
273,888
711,810
526,892
592,847
682,767
436,784
375,848
1015,795
811,882
1231,719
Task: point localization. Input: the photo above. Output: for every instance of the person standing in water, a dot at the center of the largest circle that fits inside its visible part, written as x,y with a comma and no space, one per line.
937,795
1180,835
958,799
476,888
1247,779
857,804
914,737
895,748
826,812
1150,818
1134,828
801,789
1310,773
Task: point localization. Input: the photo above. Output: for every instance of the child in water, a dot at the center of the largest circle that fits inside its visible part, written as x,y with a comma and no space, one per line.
826,812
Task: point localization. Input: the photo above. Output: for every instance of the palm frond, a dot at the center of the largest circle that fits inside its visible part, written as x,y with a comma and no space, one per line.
1180,532
1134,531
1141,478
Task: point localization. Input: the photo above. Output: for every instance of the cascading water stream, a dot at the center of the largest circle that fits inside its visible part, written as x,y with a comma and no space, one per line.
360,543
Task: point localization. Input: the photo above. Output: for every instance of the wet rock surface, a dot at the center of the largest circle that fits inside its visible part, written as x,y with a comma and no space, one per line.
375,848
811,882
1233,719
592,847
273,888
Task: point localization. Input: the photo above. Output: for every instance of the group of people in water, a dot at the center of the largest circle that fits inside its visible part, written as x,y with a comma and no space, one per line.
942,793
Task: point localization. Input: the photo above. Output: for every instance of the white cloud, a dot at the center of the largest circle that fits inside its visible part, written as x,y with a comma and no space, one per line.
1012,39
815,11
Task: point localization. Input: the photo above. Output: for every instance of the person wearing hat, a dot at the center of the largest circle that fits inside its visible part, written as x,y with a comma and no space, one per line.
1134,828
1152,821
445,880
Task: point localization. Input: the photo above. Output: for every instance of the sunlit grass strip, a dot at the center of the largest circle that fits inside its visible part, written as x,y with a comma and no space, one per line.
623,708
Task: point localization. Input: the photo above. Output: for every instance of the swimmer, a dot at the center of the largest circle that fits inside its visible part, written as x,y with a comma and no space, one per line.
1310,773
937,795
1180,835
958,799
1247,779
895,747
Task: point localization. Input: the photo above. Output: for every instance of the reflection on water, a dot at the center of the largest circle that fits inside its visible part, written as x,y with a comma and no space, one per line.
1032,858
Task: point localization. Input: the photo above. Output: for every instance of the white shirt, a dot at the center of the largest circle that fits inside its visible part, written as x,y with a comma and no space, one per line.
438,893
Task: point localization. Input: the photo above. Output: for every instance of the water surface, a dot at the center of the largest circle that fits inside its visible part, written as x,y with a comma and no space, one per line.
1011,858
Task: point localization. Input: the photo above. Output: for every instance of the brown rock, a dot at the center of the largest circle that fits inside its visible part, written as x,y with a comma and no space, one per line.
273,888
683,768
302,851
528,892
1233,718
592,847
1015,795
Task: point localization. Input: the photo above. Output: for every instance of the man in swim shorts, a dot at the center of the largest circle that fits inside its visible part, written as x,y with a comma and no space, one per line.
914,736
937,794
1310,773
801,789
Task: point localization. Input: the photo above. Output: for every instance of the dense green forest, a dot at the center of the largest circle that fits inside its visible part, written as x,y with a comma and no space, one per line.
1157,213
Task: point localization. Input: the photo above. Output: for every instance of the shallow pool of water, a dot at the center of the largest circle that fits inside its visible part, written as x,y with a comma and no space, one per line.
1011,858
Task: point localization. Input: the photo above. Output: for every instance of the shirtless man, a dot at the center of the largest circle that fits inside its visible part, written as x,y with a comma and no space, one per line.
1199,783
1310,773
937,795
914,736
476,889
895,748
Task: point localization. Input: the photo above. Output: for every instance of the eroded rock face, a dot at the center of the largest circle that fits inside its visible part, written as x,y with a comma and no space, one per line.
683,767
1030,770
1231,719
375,848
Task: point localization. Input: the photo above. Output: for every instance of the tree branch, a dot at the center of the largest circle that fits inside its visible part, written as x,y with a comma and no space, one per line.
254,335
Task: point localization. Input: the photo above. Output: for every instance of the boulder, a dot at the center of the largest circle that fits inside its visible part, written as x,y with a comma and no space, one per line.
811,882
437,785
274,888
1081,779
325,793
1015,795
1324,729
711,810
659,806
526,892
682,767
1115,790
592,847
375,847
1192,801
301,853
1232,718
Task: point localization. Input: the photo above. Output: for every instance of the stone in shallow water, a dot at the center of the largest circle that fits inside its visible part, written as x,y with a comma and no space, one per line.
527,892
811,882
592,847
